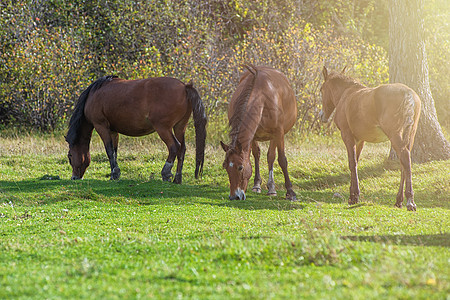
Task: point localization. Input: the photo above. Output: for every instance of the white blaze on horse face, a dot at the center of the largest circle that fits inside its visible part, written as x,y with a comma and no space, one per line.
231,164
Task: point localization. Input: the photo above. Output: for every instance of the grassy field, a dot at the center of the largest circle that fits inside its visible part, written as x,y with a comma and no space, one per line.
140,237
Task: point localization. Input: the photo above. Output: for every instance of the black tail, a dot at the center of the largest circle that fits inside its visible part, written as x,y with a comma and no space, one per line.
200,120
78,114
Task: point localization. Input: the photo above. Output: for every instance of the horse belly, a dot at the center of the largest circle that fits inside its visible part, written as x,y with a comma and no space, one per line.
371,134
136,126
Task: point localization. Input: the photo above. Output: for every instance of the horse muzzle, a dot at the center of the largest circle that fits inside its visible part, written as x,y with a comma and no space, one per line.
238,195
74,177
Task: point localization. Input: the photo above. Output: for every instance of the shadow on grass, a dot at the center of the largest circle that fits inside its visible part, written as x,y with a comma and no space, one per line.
441,240
326,181
153,192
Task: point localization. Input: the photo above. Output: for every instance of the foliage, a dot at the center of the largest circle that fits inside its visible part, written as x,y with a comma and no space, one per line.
51,50
437,30
143,238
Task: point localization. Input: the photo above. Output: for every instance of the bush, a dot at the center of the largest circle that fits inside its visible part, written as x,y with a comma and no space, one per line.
52,50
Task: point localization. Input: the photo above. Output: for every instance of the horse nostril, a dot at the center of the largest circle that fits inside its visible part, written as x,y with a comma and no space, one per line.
233,197
75,177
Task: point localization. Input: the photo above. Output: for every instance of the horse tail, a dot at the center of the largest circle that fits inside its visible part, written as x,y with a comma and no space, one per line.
200,120
410,111
78,114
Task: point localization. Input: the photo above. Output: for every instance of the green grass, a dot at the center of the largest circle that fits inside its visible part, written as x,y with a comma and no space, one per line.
140,237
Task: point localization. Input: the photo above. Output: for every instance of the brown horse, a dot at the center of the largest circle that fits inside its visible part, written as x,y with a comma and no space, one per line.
387,112
263,108
136,108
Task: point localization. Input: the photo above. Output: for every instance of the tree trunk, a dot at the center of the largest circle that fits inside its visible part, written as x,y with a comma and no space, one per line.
408,64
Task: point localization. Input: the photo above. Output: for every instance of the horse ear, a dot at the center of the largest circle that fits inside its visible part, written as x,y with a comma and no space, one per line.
344,69
225,147
325,72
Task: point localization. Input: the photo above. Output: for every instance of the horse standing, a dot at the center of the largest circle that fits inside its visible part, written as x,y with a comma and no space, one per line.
136,108
387,112
263,108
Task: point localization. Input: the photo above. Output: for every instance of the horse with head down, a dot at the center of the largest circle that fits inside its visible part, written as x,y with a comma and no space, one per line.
363,114
136,108
263,108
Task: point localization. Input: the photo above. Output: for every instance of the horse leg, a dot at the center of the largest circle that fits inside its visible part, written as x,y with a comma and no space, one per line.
110,140
256,154
282,161
404,155
270,160
353,165
173,146
359,147
179,134
399,198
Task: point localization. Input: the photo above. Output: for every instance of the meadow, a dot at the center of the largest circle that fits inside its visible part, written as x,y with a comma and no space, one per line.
139,237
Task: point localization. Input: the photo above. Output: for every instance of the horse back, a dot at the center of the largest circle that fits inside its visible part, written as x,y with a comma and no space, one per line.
279,106
136,107
375,114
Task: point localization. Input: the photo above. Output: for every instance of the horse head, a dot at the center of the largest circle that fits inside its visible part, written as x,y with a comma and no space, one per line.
79,158
239,169
327,97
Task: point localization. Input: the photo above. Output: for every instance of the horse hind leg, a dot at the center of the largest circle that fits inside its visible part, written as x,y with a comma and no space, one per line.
404,154
399,198
256,154
179,134
270,160
282,161
173,145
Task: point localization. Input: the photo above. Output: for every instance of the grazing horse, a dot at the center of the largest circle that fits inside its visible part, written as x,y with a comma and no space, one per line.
136,108
387,112
263,108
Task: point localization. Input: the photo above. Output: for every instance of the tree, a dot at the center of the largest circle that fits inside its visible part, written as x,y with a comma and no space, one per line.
408,64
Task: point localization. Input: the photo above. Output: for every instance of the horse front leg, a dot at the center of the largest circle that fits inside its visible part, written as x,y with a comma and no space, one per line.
256,154
352,164
110,140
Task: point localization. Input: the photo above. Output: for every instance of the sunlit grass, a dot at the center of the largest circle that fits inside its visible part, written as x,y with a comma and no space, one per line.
140,237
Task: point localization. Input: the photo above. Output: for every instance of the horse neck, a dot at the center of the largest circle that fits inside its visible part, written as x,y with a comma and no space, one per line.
85,133
343,88
245,130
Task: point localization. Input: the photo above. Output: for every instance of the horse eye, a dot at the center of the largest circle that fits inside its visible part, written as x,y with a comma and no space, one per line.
240,168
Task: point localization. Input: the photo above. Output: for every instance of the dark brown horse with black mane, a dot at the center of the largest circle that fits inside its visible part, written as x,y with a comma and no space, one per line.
136,108
387,112
263,108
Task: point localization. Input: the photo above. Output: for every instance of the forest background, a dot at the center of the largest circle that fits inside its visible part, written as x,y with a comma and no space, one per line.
51,50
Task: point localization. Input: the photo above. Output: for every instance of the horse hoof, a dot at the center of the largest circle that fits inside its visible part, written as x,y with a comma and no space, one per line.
291,197
271,193
115,174
167,178
256,190
352,201
177,179
399,205
411,207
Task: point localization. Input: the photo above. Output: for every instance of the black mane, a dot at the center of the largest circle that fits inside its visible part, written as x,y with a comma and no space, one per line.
78,117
